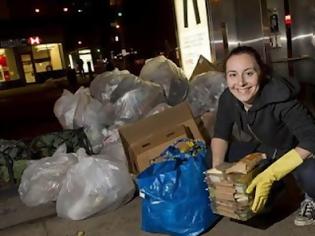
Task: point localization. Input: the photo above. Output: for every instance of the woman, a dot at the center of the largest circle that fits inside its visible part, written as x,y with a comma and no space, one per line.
266,111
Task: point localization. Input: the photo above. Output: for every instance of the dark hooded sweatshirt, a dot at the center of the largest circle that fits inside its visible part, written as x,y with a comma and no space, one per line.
276,122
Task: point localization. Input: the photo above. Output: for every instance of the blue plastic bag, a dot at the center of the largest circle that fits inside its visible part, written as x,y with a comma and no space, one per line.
173,192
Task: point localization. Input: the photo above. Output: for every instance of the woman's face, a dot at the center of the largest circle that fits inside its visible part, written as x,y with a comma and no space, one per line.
242,75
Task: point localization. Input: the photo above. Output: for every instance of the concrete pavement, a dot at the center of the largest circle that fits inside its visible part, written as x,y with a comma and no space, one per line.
126,221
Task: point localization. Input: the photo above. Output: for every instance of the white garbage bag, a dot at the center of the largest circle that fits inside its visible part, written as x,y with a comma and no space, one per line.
113,149
90,111
42,179
64,109
93,185
93,116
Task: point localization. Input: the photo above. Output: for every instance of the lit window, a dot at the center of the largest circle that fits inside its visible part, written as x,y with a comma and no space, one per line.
65,9
98,50
79,42
37,10
85,51
119,14
80,10
116,38
117,26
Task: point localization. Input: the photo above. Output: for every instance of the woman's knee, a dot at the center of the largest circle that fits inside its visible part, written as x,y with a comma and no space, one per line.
307,169
305,175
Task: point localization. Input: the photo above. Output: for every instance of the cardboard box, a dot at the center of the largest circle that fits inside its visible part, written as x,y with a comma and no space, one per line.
148,151
202,66
134,134
206,124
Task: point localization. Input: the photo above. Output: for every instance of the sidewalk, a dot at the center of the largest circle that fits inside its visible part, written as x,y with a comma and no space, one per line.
126,221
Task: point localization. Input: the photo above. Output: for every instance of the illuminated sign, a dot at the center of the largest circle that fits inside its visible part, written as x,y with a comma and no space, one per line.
193,32
13,43
34,40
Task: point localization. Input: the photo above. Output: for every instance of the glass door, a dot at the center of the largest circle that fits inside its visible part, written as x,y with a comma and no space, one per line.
28,68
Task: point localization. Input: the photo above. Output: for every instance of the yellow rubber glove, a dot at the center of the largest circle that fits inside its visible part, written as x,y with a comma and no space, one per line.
274,172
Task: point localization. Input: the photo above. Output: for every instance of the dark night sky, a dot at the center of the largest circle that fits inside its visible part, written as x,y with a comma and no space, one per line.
149,24
146,24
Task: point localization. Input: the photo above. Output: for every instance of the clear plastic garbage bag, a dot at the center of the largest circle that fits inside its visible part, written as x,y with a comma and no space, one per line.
42,179
93,116
204,92
93,185
65,107
170,77
136,103
90,111
125,85
113,149
106,83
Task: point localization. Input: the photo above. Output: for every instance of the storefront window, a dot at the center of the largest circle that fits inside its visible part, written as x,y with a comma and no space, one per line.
32,63
8,69
47,57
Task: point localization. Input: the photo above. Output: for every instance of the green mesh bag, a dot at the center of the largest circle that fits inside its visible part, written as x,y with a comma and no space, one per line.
46,144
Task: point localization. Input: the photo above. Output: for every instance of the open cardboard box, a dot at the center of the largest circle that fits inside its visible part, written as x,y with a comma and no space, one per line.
148,151
153,130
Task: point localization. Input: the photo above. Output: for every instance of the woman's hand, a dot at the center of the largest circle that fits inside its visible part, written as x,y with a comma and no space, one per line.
263,182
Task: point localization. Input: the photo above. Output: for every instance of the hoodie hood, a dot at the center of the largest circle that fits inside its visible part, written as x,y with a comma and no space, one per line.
276,89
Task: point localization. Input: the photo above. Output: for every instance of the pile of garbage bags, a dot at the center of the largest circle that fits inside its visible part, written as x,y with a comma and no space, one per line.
116,97
81,185
84,168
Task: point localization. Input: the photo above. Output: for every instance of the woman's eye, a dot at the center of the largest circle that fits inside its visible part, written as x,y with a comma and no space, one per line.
250,73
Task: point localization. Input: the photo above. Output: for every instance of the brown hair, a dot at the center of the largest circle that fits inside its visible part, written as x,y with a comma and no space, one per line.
264,69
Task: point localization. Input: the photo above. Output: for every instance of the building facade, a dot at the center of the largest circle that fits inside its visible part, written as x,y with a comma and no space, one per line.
42,39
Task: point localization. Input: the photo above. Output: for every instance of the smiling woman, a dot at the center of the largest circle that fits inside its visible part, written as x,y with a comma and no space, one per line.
265,108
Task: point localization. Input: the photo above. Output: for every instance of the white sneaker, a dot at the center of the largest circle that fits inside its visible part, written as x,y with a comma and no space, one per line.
306,213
